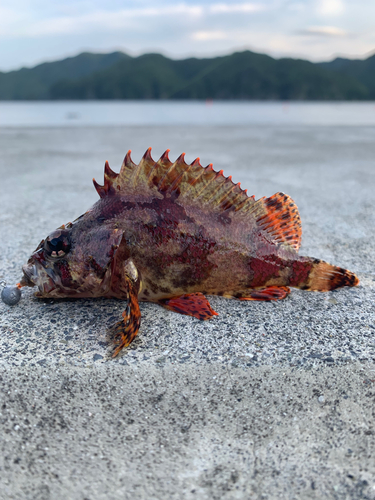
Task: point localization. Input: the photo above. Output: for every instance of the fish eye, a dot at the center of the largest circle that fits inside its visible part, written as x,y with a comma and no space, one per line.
57,244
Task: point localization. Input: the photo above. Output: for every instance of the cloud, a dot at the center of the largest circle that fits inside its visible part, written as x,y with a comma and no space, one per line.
329,31
99,20
209,35
224,8
330,7
39,30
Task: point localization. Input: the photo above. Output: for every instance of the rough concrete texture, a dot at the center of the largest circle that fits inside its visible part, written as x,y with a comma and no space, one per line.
203,432
267,400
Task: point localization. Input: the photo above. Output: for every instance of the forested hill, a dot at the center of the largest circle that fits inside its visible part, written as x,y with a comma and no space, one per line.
362,70
242,75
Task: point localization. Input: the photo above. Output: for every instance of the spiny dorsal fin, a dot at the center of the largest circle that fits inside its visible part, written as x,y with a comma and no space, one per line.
276,217
131,179
109,176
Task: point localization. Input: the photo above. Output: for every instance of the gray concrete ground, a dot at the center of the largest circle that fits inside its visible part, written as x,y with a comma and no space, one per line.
267,400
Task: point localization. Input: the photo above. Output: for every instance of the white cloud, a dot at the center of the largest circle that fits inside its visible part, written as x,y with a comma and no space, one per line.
236,7
209,35
33,31
99,20
330,7
324,31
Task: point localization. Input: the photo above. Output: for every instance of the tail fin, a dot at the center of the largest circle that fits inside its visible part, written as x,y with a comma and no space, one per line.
319,276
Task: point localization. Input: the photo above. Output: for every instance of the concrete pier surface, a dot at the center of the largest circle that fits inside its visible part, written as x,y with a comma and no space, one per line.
267,400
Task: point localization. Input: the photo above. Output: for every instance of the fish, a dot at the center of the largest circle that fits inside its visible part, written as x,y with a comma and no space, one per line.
172,233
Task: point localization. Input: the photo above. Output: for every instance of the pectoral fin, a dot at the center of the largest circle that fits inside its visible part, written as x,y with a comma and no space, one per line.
126,330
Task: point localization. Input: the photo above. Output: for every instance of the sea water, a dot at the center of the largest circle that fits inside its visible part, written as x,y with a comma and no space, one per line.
104,113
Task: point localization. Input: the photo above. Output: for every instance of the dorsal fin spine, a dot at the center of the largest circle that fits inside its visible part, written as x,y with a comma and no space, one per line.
178,179
232,202
241,205
181,158
128,160
193,181
165,155
240,194
226,202
220,179
99,189
124,176
147,155
207,172
108,172
179,169
171,167
146,161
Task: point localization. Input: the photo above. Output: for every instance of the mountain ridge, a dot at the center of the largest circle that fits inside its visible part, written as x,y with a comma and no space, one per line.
241,75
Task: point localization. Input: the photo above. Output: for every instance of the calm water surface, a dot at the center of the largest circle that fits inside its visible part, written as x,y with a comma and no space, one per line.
99,113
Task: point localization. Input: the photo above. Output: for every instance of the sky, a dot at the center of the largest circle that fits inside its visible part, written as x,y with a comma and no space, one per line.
35,31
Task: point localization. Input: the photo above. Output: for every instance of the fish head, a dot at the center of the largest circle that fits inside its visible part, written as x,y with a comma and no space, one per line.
81,259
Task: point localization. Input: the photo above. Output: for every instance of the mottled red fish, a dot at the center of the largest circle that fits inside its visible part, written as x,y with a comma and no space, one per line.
171,233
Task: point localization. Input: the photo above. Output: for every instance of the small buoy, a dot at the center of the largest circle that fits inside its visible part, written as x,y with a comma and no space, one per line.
11,295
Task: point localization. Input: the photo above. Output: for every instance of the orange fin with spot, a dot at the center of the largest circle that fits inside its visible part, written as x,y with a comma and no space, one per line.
281,221
268,293
191,304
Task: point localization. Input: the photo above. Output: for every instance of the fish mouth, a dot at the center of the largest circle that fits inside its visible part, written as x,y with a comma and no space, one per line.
39,276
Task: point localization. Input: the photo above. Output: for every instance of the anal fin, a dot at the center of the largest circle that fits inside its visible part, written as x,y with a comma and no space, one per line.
191,304
268,293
